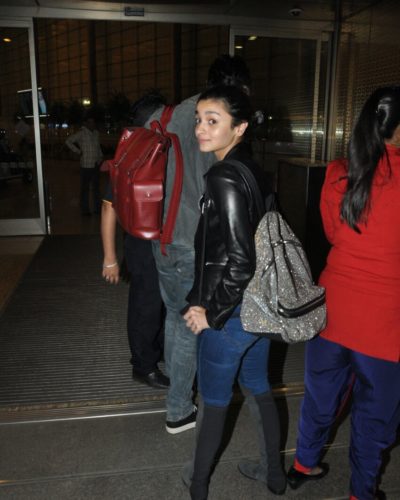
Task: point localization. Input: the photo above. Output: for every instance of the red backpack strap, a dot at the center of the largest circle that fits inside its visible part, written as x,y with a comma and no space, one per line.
166,116
168,228
169,225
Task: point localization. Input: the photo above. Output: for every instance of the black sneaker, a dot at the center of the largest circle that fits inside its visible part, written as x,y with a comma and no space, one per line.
182,425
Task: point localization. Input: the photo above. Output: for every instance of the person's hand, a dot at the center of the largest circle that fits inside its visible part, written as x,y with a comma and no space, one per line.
111,272
196,319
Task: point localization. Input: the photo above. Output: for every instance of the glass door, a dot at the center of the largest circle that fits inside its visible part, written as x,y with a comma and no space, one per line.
289,82
22,107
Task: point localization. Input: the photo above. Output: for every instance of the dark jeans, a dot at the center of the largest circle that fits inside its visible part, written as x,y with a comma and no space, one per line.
90,178
145,306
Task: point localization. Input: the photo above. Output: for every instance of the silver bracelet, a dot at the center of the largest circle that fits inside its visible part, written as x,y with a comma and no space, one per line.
109,266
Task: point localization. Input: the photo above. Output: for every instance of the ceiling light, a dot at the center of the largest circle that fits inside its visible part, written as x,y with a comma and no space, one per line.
238,46
252,38
7,40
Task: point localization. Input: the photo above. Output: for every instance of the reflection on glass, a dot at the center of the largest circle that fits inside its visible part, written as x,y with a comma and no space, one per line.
26,105
283,74
18,180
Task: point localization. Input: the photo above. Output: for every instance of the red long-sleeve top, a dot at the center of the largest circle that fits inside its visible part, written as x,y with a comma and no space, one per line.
362,275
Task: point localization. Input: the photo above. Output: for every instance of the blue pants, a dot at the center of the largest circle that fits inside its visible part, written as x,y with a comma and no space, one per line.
227,353
375,413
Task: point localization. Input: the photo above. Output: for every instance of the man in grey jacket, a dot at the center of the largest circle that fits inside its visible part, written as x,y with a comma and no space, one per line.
176,270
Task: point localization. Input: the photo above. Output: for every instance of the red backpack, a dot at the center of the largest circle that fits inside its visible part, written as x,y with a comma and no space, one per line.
137,175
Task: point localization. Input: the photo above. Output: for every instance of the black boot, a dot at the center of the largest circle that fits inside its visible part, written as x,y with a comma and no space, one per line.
276,477
188,467
255,470
208,443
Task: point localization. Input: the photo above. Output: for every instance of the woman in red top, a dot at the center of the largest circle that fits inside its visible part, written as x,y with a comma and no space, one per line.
360,207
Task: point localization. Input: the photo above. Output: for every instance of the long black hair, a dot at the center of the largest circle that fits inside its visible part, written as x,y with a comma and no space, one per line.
377,121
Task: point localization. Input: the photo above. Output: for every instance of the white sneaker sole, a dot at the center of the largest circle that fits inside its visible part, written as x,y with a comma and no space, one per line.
182,428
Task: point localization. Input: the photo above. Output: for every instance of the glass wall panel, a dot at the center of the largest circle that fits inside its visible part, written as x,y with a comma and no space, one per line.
369,57
283,73
19,188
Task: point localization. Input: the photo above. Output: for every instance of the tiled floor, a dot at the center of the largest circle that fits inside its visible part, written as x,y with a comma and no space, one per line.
132,457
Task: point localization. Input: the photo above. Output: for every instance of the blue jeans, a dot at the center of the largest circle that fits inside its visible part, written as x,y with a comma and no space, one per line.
176,274
227,353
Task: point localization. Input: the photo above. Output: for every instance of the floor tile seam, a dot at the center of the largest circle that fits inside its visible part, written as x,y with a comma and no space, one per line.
122,472
76,404
89,475
56,414
125,384
54,419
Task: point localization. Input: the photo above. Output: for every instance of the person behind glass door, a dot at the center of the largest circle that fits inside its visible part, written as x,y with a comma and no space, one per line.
360,207
225,350
86,144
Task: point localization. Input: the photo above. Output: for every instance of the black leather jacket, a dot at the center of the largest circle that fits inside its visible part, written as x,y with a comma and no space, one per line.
231,220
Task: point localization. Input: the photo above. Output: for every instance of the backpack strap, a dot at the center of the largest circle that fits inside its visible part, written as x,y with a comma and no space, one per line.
173,207
166,116
247,175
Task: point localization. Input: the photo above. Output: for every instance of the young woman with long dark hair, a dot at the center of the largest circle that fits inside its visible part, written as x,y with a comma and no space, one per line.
360,347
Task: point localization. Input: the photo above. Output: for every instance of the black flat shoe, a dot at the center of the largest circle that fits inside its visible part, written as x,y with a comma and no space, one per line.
276,491
296,478
380,495
155,379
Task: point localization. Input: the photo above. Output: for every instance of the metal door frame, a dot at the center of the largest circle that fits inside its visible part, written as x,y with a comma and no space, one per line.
33,226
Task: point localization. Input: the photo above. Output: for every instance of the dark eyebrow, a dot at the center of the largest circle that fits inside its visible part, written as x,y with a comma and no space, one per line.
208,113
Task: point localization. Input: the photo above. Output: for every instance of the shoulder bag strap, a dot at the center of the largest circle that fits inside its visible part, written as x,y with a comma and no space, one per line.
251,184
